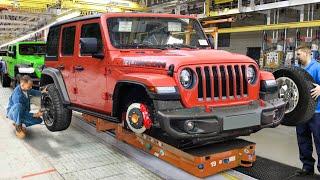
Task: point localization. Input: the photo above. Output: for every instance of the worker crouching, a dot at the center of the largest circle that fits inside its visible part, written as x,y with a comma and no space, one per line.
19,107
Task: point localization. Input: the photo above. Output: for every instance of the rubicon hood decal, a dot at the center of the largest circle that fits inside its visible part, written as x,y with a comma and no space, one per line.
145,63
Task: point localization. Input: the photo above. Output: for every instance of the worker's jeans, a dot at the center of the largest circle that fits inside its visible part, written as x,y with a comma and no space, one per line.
16,114
304,132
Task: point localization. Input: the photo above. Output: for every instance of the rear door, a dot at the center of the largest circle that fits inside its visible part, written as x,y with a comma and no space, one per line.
67,58
60,57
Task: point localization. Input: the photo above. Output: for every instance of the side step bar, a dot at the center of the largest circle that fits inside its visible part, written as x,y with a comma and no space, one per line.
96,114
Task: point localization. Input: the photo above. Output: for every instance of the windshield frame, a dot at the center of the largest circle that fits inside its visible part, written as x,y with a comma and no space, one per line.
32,44
208,46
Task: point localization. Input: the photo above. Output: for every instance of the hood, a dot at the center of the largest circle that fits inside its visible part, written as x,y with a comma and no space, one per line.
38,60
163,59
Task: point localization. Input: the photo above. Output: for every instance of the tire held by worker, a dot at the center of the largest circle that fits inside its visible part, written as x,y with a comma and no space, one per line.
305,107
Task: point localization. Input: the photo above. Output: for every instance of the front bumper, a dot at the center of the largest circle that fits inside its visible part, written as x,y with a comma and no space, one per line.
221,122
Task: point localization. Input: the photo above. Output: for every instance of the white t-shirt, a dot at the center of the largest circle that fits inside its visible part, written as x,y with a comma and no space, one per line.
25,93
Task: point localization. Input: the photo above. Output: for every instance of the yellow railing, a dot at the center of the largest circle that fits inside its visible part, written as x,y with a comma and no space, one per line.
291,25
82,5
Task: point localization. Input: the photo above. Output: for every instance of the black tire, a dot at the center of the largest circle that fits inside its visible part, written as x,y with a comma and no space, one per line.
306,105
15,82
56,117
5,80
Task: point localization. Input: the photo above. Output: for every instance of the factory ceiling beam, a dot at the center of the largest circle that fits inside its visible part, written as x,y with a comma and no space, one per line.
10,26
8,21
263,7
292,25
276,5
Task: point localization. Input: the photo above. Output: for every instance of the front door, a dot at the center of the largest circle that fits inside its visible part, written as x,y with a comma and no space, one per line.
90,72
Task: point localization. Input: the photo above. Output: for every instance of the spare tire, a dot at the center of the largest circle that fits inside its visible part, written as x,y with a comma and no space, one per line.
294,85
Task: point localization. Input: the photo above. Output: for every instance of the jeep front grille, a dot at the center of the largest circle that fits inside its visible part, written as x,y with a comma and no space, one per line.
222,82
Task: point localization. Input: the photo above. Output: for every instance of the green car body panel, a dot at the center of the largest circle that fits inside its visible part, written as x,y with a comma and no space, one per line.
30,54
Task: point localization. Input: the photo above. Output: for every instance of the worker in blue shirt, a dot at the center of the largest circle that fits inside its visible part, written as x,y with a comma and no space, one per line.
19,106
312,127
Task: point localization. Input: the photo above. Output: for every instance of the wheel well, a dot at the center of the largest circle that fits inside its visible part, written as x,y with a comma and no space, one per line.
121,92
16,71
45,80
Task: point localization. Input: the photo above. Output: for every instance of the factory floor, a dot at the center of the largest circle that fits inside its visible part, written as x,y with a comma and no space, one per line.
77,153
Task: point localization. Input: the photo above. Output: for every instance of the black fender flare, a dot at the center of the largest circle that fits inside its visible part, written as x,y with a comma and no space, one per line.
58,81
153,96
116,92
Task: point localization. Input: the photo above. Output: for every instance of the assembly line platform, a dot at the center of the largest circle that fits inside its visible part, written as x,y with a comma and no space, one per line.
80,152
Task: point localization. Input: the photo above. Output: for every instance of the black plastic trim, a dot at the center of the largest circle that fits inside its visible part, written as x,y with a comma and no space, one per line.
93,113
59,83
272,88
165,117
155,96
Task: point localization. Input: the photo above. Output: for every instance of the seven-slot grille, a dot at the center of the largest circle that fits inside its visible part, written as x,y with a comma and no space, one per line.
221,82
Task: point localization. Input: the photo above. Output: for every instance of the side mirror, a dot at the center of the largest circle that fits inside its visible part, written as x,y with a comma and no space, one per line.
3,53
90,46
211,41
12,54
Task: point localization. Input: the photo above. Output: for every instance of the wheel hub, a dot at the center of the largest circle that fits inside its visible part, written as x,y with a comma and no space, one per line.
48,115
135,118
288,90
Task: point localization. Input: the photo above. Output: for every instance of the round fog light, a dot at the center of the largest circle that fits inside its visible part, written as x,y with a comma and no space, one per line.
189,125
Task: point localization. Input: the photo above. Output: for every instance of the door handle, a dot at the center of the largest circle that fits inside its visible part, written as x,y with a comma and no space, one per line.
60,67
78,68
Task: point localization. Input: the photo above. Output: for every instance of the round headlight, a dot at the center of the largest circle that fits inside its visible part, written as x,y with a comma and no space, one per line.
251,74
186,78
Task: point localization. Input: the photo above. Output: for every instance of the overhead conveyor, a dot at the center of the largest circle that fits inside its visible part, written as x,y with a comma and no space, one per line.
23,19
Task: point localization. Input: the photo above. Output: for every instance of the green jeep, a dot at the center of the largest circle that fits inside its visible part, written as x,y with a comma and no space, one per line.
23,58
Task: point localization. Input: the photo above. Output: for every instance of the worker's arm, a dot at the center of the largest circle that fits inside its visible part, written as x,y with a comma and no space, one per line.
315,92
33,92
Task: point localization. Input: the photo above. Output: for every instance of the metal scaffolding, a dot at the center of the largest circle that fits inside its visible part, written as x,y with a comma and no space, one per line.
20,18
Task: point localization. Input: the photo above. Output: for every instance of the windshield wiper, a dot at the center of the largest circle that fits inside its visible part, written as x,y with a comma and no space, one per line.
179,46
40,53
140,45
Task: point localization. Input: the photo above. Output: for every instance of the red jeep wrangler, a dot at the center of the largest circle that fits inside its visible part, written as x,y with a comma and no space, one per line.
155,73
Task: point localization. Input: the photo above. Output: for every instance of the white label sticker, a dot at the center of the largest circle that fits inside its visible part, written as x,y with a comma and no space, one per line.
125,26
173,40
185,20
203,42
174,26
232,158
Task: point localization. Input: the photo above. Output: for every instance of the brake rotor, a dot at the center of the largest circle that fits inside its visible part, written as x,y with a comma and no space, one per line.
137,118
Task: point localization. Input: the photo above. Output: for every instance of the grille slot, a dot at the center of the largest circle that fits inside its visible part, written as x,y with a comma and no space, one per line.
221,82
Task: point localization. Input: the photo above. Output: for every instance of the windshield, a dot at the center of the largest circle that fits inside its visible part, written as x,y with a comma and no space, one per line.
155,32
32,49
